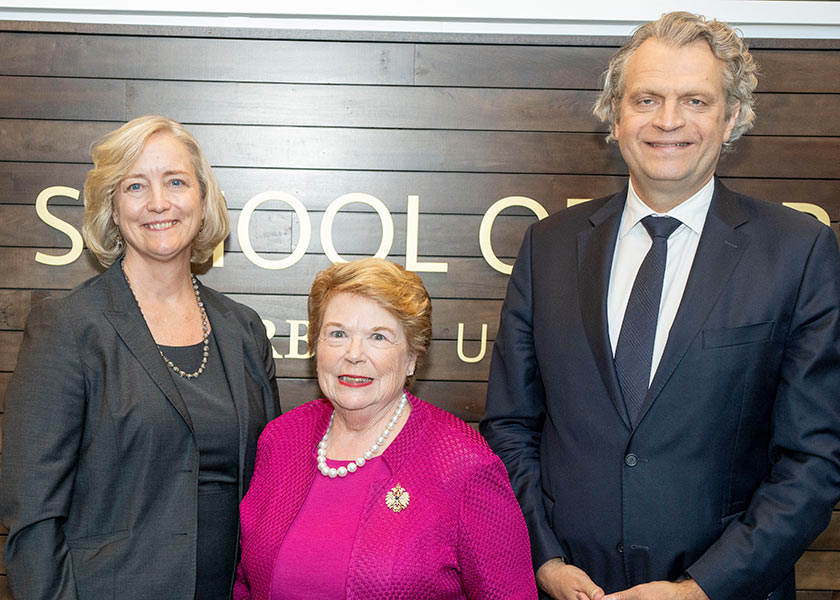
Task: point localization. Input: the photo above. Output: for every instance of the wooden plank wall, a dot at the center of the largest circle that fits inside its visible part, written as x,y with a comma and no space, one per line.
459,122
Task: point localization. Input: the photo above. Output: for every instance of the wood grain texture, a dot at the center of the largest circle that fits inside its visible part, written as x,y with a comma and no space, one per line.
510,66
421,150
798,71
138,57
830,538
365,106
9,345
62,98
817,570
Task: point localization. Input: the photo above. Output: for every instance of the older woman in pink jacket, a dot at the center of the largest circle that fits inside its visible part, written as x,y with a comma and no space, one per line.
371,492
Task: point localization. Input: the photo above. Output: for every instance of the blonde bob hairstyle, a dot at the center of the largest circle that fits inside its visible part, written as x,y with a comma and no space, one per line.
680,29
397,290
113,156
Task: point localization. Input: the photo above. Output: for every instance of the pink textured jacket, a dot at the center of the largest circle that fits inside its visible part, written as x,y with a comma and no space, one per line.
461,536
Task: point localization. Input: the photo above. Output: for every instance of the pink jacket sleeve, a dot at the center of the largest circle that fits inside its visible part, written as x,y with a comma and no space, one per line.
494,553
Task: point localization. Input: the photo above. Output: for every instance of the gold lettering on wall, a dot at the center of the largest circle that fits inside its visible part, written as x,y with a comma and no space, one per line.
487,227
480,355
341,202
411,241
76,242
812,209
296,337
243,233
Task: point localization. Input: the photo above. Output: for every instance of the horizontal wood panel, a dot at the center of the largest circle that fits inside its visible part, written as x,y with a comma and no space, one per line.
816,71
467,277
816,595
15,305
422,150
134,57
365,106
511,66
362,106
830,538
9,345
453,193
798,71
817,570
797,114
61,98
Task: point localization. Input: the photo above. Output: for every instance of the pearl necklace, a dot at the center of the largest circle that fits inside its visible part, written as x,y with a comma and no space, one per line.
351,467
205,328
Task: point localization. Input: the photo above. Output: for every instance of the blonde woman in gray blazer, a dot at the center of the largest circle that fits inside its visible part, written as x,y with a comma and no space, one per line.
132,416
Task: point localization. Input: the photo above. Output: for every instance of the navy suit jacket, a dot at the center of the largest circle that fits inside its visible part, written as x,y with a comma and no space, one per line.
734,466
100,464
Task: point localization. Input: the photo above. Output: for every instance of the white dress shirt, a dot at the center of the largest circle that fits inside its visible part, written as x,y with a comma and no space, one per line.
630,250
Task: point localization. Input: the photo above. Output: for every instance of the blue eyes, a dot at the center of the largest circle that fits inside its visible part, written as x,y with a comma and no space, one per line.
172,183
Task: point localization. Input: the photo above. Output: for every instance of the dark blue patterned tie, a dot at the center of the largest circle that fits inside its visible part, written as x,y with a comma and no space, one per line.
634,351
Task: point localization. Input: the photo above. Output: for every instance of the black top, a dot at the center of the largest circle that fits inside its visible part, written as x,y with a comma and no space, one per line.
210,405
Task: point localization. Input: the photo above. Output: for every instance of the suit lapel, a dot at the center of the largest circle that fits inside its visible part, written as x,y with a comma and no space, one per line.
127,320
595,255
718,253
229,342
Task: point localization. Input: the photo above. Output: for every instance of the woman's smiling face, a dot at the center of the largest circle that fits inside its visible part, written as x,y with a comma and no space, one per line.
362,355
157,205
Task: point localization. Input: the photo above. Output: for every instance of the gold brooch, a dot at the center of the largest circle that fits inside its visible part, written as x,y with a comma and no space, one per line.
397,499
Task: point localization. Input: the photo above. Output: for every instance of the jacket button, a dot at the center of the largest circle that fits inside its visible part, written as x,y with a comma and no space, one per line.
631,460
620,548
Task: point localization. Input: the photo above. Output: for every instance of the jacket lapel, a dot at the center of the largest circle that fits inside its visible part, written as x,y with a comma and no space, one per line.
595,255
127,320
718,253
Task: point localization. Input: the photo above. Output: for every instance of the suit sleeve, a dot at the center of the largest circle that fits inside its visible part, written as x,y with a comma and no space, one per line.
44,421
515,410
794,502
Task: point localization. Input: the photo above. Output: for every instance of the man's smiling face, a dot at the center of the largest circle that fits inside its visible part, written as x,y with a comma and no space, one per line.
671,121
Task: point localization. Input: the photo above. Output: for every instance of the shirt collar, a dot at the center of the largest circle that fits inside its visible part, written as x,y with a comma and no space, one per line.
692,213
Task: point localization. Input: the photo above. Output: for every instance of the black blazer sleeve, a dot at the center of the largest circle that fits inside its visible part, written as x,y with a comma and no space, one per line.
43,427
515,411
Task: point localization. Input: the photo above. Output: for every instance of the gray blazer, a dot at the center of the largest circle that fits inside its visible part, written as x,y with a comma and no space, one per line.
100,464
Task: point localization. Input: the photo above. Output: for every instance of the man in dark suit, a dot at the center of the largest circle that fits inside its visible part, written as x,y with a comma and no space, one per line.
664,385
